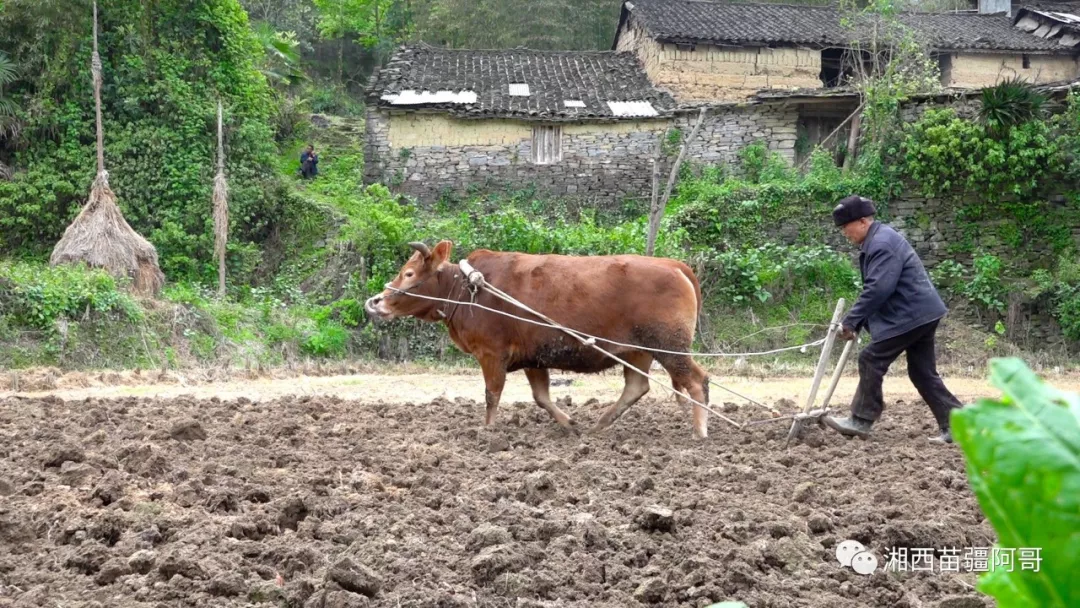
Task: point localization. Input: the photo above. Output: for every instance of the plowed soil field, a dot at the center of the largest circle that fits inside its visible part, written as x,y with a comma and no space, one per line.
316,500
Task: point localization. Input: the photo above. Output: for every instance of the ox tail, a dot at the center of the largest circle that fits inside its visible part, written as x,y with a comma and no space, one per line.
689,274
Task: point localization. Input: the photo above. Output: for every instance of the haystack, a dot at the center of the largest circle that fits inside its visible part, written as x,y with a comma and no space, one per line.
100,236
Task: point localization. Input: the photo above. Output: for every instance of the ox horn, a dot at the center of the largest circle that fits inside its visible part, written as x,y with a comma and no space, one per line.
422,248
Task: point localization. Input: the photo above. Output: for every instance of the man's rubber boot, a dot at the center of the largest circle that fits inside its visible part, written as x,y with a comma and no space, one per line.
944,437
849,427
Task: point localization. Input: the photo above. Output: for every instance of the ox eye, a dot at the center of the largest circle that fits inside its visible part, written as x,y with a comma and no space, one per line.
409,274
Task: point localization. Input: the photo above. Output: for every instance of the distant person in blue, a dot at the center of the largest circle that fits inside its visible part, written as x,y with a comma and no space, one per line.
901,309
309,163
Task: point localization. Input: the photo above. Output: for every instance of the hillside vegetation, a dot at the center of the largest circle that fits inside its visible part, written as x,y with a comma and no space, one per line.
303,255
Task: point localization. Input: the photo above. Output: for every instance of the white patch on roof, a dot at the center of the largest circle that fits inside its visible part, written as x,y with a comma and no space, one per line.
411,97
632,108
519,89
573,103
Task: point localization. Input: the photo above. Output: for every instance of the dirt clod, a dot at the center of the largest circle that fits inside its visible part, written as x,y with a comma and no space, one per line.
819,523
496,560
294,512
355,577
657,518
142,561
537,488
109,489
487,535
804,492
651,591
77,474
174,564
112,570
228,584
188,430
58,456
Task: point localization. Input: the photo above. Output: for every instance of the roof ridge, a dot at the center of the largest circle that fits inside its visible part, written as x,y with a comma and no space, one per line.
424,46
828,7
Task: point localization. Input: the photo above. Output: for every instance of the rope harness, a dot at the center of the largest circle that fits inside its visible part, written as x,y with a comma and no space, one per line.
475,281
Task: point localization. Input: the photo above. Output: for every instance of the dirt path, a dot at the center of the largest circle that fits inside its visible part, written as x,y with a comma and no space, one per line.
425,387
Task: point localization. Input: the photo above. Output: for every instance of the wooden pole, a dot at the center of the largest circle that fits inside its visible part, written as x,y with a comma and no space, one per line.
836,375
857,112
852,143
823,361
96,69
220,204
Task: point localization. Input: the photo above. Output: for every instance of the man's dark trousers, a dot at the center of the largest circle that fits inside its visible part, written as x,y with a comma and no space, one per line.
874,362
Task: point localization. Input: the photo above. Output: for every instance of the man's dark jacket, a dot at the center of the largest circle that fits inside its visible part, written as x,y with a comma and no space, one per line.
897,293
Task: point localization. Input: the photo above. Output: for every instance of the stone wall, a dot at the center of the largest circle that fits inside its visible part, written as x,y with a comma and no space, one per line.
977,70
712,73
427,155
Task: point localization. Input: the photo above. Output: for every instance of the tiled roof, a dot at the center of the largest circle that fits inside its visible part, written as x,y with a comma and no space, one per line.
699,21
972,31
707,21
560,85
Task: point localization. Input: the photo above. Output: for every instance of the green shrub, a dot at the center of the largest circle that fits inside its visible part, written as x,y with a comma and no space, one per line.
772,273
37,296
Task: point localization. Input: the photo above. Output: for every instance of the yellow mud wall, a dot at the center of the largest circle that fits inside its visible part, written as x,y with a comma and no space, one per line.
722,74
976,70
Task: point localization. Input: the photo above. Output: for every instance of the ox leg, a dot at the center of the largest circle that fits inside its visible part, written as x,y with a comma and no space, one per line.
691,378
635,388
540,381
680,396
494,380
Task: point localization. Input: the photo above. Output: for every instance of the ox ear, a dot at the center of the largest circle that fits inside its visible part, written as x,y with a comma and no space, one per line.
442,252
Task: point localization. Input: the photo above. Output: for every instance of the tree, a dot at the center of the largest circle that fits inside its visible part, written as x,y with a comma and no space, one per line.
887,63
365,20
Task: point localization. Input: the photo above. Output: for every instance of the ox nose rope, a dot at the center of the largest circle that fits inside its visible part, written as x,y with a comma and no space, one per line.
476,281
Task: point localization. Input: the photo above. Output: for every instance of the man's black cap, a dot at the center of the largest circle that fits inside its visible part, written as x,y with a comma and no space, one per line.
853,208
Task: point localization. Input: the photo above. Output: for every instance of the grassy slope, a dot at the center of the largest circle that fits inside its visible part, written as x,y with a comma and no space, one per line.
307,307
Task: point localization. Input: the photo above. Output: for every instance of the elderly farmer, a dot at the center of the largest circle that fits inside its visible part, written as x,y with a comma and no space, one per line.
901,309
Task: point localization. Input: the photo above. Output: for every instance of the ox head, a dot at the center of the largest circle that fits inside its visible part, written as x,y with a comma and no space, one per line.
418,277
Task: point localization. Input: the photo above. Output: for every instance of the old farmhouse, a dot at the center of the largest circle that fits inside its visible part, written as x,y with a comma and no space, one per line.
589,123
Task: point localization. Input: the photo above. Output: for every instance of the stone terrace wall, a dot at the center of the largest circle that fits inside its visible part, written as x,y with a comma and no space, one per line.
427,155
931,227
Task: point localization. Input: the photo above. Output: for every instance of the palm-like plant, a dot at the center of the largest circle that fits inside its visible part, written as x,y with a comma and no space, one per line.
1010,103
8,109
7,76
281,60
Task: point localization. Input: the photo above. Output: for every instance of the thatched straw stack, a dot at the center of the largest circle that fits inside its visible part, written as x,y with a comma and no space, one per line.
100,236
221,209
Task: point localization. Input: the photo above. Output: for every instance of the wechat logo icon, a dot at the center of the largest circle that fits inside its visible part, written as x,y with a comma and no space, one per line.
852,554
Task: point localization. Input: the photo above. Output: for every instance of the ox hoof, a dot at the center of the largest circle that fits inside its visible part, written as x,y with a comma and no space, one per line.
599,427
571,427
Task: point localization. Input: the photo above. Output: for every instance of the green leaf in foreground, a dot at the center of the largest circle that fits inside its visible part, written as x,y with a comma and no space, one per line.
1023,463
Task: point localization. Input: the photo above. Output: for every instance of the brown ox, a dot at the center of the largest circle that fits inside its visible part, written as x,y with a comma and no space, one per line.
644,301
